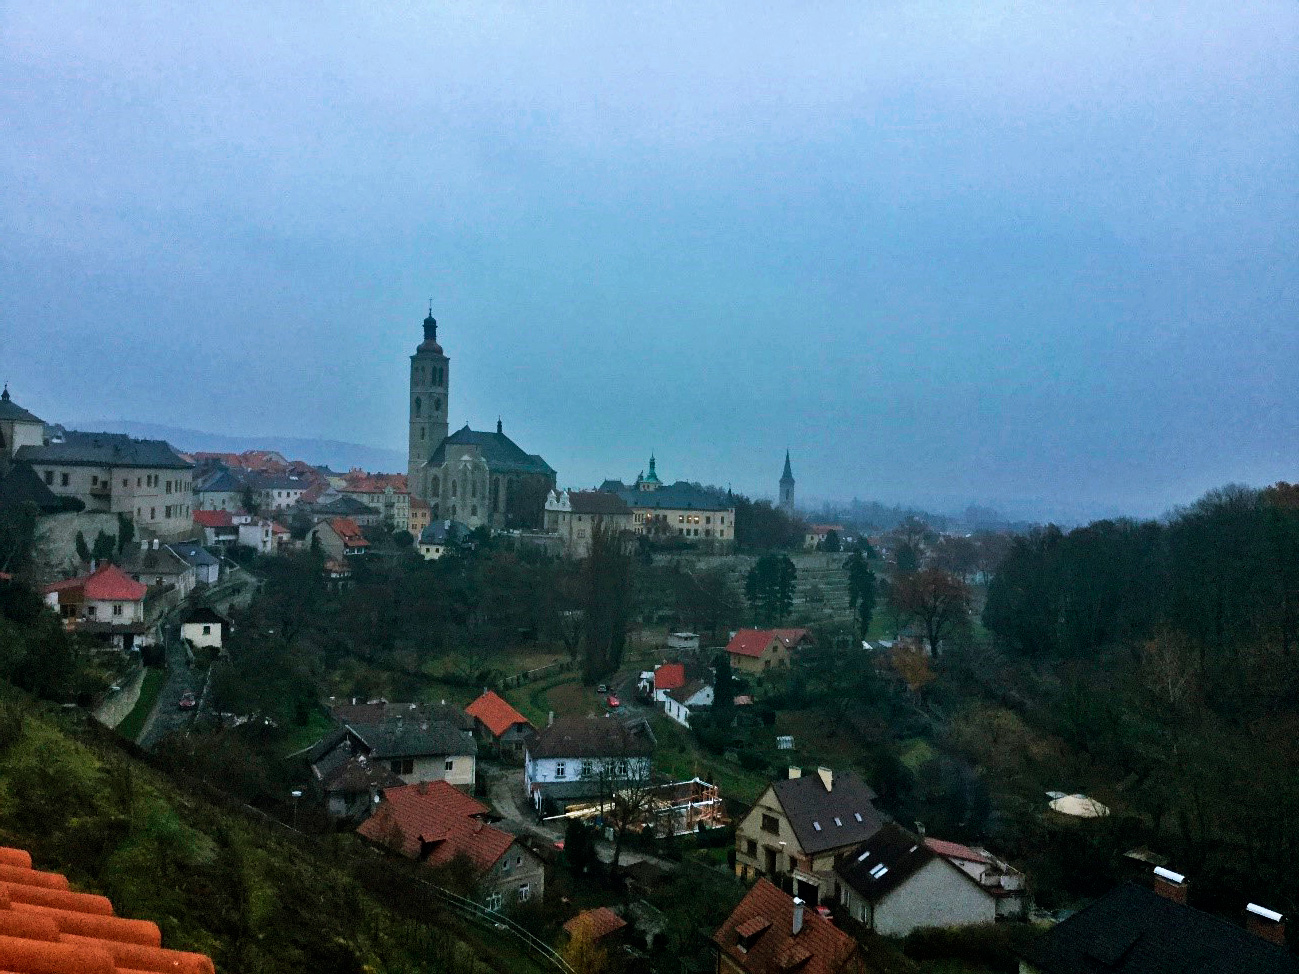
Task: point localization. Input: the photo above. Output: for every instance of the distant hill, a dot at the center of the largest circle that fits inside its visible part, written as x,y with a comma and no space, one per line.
334,453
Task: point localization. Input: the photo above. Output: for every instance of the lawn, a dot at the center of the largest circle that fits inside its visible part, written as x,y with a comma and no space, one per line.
133,723
677,756
316,727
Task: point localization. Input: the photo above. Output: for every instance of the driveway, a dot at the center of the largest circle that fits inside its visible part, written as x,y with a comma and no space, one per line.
167,717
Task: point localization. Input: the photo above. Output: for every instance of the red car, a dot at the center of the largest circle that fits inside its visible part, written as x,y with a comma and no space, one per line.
188,701
613,701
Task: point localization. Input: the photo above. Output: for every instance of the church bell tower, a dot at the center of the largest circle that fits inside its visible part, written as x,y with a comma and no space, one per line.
787,488
430,380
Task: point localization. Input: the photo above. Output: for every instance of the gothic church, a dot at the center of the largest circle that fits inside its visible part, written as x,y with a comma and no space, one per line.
469,476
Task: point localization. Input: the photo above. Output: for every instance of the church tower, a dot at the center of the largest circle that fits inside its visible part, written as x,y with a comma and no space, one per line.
430,380
787,488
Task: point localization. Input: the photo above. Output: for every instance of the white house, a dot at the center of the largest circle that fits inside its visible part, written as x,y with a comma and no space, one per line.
897,884
207,567
576,756
204,626
1004,882
678,703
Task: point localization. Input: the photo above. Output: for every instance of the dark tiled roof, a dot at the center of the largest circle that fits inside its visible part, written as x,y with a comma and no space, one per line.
357,774
683,693
889,859
106,450
22,485
343,506
1134,930
195,554
221,481
812,811
500,452
11,412
590,737
597,502
401,738
766,915
444,532
205,613
152,561
679,496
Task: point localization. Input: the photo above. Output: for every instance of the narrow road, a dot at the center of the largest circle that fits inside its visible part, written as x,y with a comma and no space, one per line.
167,717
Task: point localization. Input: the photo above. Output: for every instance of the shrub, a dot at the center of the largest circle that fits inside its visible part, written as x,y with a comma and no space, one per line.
995,947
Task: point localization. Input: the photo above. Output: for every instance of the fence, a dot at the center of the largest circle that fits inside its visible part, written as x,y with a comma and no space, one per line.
527,676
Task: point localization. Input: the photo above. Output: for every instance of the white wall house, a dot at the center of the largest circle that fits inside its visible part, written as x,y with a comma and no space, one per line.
569,759
679,703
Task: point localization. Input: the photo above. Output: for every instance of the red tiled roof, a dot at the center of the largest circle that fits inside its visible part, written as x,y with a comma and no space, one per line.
349,531
360,482
600,922
495,713
954,850
437,813
107,583
277,528
750,642
214,519
767,915
418,505
669,676
45,928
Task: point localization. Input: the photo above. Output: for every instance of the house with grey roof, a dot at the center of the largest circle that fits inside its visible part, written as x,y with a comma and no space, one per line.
207,567
896,884
802,826
684,511
158,566
578,757
414,746
144,480
18,427
220,490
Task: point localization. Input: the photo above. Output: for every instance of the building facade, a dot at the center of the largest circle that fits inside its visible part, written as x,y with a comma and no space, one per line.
144,480
574,514
703,517
18,427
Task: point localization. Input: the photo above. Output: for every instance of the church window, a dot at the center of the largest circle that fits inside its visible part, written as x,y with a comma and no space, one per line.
453,507
453,488
437,404
419,405
473,511
421,432
435,486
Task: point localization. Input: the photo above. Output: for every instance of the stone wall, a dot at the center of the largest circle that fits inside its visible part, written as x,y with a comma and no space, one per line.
113,709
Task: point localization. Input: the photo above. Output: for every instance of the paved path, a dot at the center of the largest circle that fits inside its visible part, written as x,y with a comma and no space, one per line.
167,717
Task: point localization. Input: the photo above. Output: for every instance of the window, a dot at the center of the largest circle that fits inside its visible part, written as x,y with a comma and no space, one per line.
139,482
153,514
419,406
473,510
169,486
506,865
751,847
454,485
681,519
494,901
561,770
117,608
708,520
90,610
402,766
770,824
421,432
126,482
817,826
49,476
449,765
207,630
525,891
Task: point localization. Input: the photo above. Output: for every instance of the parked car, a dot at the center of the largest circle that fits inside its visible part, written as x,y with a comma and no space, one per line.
188,701
613,701
602,689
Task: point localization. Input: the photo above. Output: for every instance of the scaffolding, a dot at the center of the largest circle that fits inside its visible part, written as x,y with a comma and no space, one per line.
676,808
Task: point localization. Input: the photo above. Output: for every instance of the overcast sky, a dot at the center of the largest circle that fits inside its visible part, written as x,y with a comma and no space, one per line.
1042,255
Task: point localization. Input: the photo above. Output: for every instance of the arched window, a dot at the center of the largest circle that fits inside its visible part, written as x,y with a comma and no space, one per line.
421,432
473,487
473,511
453,507
437,404
433,514
419,405
435,486
453,488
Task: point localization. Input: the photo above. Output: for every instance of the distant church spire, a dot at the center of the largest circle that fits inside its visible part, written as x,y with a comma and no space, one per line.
430,324
787,488
499,429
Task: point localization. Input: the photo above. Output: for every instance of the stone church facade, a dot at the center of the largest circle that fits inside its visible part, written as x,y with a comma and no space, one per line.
477,478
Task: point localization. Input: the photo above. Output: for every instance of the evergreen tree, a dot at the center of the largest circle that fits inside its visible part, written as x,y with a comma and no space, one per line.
83,549
770,588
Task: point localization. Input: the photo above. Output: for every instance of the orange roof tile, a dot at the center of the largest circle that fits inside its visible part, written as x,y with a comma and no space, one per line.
750,642
47,929
669,676
495,713
601,922
349,531
107,583
214,519
766,916
438,816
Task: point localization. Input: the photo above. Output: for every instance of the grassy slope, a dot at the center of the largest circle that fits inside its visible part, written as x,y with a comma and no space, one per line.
133,723
224,883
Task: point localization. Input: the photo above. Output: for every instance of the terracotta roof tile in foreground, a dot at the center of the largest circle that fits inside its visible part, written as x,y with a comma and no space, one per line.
45,928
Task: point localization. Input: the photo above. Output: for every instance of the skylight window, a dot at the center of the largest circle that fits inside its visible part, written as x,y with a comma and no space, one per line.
879,871
817,826
857,816
864,856
838,822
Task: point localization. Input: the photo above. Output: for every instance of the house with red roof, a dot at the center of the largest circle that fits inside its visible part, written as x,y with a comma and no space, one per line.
46,928
107,604
436,823
338,538
770,932
669,676
218,527
754,651
499,724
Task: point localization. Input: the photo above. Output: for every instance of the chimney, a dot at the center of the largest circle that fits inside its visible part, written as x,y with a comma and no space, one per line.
1265,923
1171,885
827,778
795,772
798,915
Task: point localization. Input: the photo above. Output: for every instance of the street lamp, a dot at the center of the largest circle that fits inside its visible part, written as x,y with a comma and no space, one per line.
296,793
